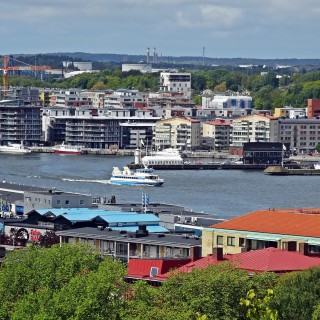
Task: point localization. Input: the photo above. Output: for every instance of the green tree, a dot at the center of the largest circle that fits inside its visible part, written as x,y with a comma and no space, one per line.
37,269
257,308
213,292
297,295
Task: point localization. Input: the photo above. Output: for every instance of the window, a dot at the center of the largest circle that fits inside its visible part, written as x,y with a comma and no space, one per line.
241,242
231,241
67,202
219,240
81,202
154,271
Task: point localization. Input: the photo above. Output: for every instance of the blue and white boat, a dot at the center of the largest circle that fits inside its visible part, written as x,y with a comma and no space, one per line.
129,177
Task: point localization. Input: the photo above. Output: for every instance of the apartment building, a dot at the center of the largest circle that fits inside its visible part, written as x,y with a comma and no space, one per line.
124,98
176,82
20,120
219,131
70,98
301,134
313,108
290,112
183,133
97,128
251,128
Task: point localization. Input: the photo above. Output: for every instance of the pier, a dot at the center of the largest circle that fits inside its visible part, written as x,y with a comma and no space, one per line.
280,171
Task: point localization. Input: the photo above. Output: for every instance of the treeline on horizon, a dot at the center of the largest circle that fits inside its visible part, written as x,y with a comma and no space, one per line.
76,282
267,89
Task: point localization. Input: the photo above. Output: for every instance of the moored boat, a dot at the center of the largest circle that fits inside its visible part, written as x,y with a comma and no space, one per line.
67,149
16,148
130,177
164,157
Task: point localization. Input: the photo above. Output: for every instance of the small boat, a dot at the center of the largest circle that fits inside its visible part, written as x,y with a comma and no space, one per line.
67,149
130,177
317,165
16,148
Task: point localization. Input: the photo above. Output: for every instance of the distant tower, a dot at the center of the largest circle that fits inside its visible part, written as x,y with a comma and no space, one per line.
154,55
148,53
203,50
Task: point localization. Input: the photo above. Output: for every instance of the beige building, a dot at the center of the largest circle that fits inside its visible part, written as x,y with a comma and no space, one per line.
177,133
288,229
251,128
219,131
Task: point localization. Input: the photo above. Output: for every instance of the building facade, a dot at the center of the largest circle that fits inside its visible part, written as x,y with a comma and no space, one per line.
251,128
176,82
220,131
278,228
177,133
301,134
20,121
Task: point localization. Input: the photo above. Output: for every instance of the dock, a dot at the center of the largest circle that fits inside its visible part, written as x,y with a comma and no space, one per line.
281,171
214,166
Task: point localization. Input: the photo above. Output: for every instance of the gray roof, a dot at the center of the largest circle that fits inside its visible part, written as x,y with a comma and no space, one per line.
111,235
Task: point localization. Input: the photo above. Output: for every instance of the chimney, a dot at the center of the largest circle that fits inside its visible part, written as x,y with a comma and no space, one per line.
217,253
154,55
148,53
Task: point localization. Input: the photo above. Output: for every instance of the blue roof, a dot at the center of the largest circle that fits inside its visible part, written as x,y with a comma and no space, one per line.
152,229
93,212
138,217
113,217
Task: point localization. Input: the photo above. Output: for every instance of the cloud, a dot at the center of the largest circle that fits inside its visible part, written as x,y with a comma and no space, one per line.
209,16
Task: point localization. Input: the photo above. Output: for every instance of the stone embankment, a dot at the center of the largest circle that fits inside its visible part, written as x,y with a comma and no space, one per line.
130,152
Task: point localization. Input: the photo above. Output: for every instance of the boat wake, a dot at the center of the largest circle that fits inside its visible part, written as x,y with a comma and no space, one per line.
86,180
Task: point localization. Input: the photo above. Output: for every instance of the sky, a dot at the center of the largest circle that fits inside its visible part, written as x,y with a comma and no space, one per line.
267,29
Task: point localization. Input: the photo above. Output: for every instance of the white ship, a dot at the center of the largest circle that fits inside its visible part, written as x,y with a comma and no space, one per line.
164,157
17,148
130,177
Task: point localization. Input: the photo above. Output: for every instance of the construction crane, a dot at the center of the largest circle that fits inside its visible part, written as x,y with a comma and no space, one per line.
24,67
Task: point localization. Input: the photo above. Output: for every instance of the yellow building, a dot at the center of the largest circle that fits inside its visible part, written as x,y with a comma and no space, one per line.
294,229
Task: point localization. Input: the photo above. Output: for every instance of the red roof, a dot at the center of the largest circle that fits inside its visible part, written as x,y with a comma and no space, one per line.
220,122
299,222
272,259
140,268
269,259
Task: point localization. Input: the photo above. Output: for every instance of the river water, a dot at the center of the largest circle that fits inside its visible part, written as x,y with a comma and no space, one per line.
226,193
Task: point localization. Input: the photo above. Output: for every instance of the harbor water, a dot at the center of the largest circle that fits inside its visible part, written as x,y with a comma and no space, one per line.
227,193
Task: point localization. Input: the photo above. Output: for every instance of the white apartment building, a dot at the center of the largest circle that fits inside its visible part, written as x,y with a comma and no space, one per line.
219,131
302,134
251,128
177,133
226,102
176,82
124,98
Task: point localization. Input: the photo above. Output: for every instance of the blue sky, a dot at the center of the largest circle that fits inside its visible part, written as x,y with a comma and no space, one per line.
227,29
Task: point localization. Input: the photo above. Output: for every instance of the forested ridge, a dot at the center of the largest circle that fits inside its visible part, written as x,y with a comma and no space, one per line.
269,89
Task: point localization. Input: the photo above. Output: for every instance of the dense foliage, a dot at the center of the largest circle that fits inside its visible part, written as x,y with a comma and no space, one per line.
76,282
